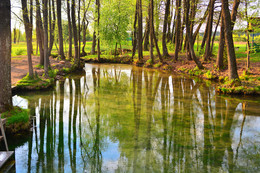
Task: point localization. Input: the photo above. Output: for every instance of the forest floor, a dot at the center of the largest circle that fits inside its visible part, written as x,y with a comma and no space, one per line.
19,66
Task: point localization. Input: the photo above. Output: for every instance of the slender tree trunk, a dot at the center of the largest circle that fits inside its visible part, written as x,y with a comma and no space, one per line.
28,26
189,36
247,39
147,33
61,50
219,62
177,30
232,66
210,24
93,49
214,34
75,33
140,30
52,21
135,32
45,21
166,18
151,29
98,21
39,32
5,56
31,23
79,26
15,35
234,13
69,29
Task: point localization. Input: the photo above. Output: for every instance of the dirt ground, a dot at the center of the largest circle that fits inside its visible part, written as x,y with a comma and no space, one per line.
19,67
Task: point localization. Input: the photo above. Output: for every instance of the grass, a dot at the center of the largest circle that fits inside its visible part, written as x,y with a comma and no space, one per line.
16,115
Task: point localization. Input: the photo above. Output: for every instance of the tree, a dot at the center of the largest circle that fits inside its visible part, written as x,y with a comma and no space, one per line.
189,36
232,66
75,33
39,32
46,52
114,23
166,19
52,21
140,30
5,56
177,30
61,51
28,31
69,28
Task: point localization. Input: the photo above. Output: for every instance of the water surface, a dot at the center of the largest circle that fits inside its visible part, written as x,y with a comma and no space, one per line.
119,118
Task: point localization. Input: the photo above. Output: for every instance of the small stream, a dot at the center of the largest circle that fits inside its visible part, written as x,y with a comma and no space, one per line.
120,118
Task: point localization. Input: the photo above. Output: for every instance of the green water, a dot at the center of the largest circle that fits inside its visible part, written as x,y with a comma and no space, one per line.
119,118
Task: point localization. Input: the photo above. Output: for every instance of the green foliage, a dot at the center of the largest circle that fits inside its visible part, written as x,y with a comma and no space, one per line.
114,22
28,81
20,51
16,115
66,70
209,75
53,73
159,64
39,66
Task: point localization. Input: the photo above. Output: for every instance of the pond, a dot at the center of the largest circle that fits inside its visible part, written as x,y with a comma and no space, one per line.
120,118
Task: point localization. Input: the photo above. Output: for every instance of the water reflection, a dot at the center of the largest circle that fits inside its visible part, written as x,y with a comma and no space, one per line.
126,119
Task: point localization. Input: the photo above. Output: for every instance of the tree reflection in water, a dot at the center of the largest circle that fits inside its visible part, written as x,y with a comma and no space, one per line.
127,119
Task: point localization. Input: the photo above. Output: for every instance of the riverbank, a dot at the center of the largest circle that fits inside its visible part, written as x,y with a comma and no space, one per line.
249,83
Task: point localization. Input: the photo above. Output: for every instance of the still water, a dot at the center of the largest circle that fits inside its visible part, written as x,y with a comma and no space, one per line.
119,118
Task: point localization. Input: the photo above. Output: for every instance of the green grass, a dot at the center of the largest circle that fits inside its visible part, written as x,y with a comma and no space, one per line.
16,115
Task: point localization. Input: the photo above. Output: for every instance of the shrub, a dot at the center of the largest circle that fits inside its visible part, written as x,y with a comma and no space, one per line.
16,115
20,51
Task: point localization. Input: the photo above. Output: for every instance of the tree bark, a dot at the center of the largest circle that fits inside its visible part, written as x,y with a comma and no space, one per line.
166,18
178,27
69,28
45,21
52,21
39,32
98,21
61,50
214,34
75,33
189,36
5,56
15,35
209,33
151,29
219,62
135,32
28,32
147,33
232,66
93,49
140,31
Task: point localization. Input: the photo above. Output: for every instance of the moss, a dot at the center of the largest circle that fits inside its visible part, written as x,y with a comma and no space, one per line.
66,70
53,73
158,65
18,120
39,66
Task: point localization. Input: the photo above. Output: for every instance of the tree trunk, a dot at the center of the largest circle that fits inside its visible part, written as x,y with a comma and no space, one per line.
28,29
75,33
93,49
15,35
140,30
209,33
232,66
147,33
79,26
5,56
189,36
214,34
166,18
31,23
234,13
69,28
39,32
247,39
98,20
177,30
51,24
219,62
151,29
45,21
135,32
61,50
